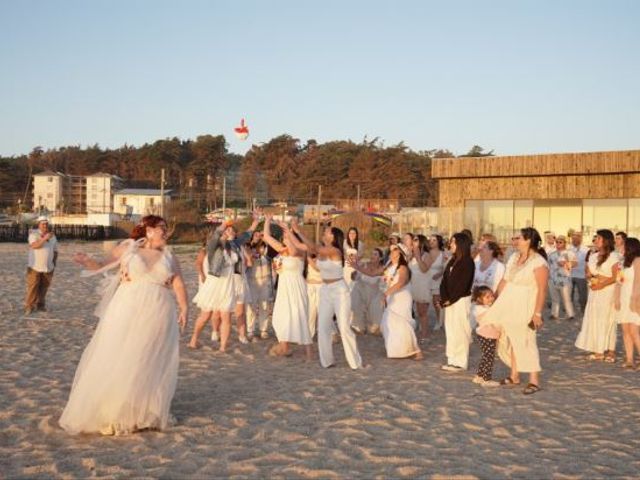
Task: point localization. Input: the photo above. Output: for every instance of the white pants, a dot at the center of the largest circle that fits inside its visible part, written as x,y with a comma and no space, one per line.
366,303
313,292
458,332
561,294
257,311
335,299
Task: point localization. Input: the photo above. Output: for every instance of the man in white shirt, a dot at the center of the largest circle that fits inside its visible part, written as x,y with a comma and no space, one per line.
43,254
549,242
578,273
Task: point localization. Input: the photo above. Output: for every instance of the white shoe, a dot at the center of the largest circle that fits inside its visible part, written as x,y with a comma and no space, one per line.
264,335
243,340
477,379
215,337
451,368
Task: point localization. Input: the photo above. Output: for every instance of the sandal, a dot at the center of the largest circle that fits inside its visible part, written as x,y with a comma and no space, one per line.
508,382
609,359
531,388
628,365
595,357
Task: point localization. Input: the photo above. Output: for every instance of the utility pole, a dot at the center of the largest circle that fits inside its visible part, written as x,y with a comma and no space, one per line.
224,196
318,214
162,192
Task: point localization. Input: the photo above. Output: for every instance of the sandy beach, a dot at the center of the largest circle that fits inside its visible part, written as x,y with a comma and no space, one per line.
248,415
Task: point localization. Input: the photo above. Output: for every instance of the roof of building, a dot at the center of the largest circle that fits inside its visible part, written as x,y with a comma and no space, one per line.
141,191
106,175
48,173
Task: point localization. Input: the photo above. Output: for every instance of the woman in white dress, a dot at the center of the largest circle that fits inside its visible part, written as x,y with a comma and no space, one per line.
489,269
367,297
291,308
397,323
436,271
335,297
518,310
353,248
598,333
420,283
627,300
225,260
127,375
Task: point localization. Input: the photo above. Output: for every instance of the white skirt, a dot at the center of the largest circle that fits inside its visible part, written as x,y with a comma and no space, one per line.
243,292
291,309
397,326
127,375
598,332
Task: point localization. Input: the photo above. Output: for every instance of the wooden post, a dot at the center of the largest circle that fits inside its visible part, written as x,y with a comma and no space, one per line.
224,196
318,214
358,200
162,192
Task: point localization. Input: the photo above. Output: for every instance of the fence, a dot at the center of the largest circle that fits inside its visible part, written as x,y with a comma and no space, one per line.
20,232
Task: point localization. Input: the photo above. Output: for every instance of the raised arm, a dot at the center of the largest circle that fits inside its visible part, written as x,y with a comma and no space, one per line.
268,239
90,263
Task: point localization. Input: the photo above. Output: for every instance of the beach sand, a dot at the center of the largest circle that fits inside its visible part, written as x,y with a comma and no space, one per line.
248,415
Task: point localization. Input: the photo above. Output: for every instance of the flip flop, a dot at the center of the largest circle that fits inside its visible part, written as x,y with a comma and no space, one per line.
508,382
530,389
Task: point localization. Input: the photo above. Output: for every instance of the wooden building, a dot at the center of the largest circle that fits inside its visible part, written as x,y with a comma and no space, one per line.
554,192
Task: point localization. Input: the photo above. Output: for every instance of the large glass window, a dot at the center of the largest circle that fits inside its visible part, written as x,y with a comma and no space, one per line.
522,214
490,216
558,216
604,213
633,227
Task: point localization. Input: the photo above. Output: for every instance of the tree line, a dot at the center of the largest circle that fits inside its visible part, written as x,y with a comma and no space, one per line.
283,169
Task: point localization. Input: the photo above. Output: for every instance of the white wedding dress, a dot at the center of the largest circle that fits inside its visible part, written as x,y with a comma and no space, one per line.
397,325
127,375
291,311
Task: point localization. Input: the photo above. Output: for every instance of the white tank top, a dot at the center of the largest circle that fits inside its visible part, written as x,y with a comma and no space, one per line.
330,269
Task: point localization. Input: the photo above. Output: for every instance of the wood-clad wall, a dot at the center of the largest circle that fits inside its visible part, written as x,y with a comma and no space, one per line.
589,163
453,192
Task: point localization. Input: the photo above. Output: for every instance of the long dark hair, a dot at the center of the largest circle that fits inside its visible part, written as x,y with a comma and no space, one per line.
463,247
440,241
423,243
338,240
531,234
631,250
468,233
609,245
380,255
356,244
402,260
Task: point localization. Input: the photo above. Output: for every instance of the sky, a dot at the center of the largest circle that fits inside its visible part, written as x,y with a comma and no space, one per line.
518,77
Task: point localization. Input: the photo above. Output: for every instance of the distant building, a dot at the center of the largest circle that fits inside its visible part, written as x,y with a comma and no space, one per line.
139,201
556,192
369,204
48,191
310,212
100,190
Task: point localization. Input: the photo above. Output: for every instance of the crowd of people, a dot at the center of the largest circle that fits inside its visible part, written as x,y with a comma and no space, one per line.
297,290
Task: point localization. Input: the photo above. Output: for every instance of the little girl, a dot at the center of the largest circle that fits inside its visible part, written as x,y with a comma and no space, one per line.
482,298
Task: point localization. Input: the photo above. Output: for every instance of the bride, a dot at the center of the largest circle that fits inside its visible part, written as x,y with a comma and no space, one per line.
127,375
